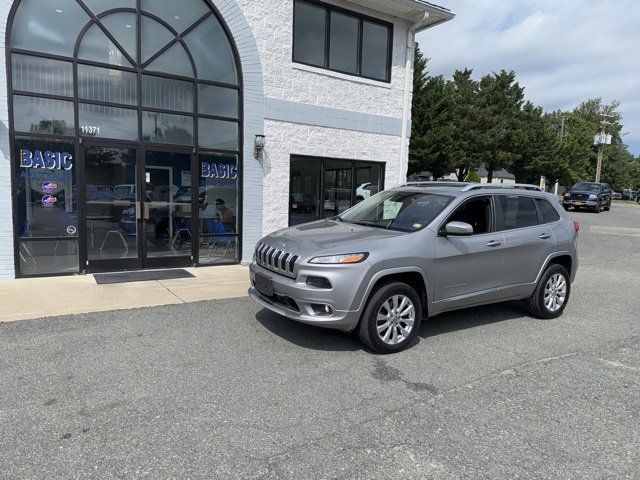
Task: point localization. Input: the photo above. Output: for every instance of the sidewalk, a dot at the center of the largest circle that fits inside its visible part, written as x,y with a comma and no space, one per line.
48,297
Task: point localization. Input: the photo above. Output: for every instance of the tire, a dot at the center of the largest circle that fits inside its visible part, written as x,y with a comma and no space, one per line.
566,207
379,304
597,209
608,207
537,305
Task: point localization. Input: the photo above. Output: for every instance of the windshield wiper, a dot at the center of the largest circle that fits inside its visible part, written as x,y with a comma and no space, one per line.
364,223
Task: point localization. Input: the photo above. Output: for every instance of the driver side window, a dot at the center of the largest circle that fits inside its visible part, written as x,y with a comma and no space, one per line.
475,212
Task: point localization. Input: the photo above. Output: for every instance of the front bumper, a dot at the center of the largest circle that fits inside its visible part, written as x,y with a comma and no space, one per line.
579,203
293,299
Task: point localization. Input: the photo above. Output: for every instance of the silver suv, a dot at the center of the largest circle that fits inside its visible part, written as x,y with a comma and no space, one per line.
416,251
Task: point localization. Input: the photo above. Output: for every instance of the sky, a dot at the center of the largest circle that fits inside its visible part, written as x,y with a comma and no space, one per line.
564,52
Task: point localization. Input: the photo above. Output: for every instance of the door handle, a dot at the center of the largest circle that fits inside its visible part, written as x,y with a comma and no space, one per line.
545,236
147,209
494,243
138,211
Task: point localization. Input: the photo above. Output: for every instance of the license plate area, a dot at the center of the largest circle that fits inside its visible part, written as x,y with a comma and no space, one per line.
579,203
264,285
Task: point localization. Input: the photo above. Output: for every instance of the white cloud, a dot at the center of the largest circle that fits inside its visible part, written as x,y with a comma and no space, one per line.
563,52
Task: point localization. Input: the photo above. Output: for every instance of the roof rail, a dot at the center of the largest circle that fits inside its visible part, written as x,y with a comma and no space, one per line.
506,186
436,184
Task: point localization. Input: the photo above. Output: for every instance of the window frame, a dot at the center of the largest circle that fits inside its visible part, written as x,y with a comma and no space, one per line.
499,209
322,161
537,201
329,8
493,224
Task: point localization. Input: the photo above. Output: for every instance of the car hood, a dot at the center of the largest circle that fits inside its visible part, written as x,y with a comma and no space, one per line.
328,237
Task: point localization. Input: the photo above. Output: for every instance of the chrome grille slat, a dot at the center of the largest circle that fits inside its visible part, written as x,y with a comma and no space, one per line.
276,260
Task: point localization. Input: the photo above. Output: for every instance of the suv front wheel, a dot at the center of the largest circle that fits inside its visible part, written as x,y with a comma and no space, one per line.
392,318
552,293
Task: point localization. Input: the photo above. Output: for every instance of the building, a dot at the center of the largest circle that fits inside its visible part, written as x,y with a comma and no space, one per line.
162,133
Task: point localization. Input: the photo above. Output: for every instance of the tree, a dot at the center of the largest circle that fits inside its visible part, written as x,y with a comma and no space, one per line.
433,123
500,100
465,157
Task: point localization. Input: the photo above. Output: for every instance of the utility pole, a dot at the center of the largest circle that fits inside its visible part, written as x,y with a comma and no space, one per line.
562,124
602,139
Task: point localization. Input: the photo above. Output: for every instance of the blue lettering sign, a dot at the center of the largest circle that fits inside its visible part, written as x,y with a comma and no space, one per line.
47,160
219,170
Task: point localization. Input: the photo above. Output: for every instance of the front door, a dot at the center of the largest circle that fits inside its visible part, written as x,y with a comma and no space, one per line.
137,208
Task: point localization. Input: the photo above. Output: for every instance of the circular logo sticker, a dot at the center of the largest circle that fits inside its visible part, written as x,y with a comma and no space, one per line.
72,230
49,201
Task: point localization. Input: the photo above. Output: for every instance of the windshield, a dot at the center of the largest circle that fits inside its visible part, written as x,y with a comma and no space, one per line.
402,211
588,187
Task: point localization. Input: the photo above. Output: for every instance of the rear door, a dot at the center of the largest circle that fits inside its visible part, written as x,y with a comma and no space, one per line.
467,270
529,241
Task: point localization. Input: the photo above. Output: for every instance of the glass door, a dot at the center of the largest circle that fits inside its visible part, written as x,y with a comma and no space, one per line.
168,217
111,208
137,208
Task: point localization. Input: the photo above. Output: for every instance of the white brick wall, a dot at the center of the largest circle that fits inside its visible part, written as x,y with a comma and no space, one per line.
272,25
6,215
286,139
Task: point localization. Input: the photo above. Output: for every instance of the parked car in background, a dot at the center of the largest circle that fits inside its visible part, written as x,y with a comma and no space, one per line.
363,192
627,194
414,252
588,195
616,195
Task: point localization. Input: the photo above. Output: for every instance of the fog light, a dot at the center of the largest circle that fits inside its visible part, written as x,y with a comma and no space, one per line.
321,309
319,282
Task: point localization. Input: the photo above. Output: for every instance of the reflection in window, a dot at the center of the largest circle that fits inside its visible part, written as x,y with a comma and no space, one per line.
99,6
304,198
97,47
123,27
49,27
174,61
108,122
375,51
309,33
43,115
42,75
179,14
107,85
218,201
165,128
212,52
344,43
338,183
322,188
154,37
166,94
218,101
347,33
218,134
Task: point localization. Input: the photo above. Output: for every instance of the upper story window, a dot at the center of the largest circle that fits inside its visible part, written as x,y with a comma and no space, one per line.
330,37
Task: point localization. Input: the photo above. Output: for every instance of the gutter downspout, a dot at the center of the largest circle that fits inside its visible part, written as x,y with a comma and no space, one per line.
408,96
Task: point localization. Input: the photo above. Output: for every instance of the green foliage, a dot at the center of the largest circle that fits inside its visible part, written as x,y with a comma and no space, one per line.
472,177
462,124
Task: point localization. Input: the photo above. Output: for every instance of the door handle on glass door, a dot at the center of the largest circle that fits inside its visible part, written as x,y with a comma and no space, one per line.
494,243
545,236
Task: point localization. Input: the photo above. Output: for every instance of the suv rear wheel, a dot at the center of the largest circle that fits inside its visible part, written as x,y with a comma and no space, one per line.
552,293
392,318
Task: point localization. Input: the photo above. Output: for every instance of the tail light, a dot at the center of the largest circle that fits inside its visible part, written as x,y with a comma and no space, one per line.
576,225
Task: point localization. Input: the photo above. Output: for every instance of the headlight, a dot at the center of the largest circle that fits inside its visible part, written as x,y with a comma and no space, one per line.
340,259
568,194
593,197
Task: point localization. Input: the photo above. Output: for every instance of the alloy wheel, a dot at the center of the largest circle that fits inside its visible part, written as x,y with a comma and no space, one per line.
555,292
396,319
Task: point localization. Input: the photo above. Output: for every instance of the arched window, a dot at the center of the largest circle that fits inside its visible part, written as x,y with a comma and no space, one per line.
145,71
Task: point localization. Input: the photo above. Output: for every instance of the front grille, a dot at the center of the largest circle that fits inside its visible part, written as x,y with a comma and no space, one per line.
276,260
580,196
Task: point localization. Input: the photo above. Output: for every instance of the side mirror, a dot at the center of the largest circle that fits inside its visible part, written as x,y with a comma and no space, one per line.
457,229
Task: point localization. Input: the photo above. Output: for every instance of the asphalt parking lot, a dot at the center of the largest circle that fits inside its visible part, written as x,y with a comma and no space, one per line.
225,390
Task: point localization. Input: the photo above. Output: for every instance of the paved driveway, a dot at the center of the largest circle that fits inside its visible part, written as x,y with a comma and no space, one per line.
223,389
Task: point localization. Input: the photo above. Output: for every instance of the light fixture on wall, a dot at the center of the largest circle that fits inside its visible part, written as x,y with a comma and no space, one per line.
260,143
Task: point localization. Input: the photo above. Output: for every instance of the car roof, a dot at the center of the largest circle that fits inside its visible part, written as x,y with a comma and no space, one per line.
458,189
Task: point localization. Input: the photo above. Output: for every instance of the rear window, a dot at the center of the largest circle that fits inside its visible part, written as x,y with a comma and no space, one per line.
549,213
516,212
